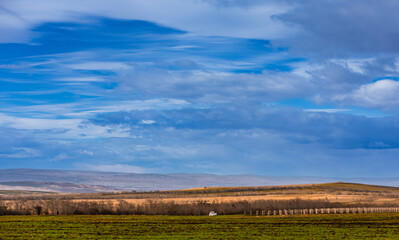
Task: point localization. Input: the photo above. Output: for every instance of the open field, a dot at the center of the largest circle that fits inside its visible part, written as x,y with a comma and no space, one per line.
4,192
199,201
347,193
344,226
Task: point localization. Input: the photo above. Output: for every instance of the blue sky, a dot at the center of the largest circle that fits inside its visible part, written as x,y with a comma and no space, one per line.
281,88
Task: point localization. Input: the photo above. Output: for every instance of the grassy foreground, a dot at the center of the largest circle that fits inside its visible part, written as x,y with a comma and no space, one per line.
345,226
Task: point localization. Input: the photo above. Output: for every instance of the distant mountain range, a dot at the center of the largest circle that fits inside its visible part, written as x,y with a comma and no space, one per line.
72,181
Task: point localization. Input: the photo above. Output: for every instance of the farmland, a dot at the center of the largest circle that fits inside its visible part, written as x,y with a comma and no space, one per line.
199,201
181,214
335,192
344,226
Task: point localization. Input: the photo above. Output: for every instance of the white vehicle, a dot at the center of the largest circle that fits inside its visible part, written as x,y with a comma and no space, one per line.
212,213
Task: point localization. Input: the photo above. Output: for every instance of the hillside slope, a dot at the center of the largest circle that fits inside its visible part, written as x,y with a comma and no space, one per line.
91,181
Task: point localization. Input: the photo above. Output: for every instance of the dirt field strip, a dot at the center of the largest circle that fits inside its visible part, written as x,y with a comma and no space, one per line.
330,197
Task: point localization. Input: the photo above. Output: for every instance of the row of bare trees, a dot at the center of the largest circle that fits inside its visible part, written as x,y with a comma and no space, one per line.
153,207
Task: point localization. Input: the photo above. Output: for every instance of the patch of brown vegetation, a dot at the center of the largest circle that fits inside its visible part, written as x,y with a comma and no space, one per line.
342,194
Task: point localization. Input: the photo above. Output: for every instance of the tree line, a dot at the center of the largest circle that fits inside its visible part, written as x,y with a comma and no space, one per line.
156,207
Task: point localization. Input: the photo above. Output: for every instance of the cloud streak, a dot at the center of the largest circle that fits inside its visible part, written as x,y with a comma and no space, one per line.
197,17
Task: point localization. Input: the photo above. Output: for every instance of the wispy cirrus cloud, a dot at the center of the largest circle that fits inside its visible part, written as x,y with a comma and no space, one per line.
198,17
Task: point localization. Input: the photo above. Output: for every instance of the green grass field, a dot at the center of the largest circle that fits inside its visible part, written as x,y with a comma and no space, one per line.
345,226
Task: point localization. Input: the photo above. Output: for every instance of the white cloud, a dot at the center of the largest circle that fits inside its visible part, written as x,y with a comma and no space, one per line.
354,65
37,123
216,87
85,152
98,66
81,79
380,94
394,67
64,128
84,109
151,104
147,121
13,28
328,110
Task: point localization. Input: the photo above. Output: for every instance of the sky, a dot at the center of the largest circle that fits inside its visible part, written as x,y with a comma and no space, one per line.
282,88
